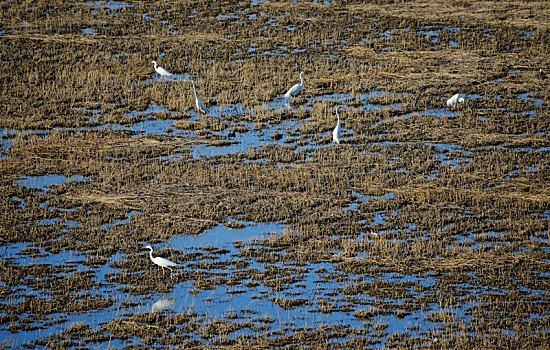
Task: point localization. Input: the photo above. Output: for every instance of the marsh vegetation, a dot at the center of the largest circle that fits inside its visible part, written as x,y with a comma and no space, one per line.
427,226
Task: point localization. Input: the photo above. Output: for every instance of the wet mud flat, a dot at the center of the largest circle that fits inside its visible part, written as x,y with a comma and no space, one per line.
426,227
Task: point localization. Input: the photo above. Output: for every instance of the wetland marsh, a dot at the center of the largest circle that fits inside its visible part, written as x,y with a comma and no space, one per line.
427,227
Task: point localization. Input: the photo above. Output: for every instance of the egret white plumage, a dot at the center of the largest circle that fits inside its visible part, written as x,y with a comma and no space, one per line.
160,261
338,129
198,102
166,74
293,90
456,98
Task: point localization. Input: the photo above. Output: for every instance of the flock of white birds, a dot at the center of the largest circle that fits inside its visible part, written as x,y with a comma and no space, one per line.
167,75
292,91
336,133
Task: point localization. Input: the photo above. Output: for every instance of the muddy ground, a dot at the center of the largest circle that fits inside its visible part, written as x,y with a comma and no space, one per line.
426,227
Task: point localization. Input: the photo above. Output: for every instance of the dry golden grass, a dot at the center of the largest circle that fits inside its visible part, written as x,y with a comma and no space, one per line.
458,198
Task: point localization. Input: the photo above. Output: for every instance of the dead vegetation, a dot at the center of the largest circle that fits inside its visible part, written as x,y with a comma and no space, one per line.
432,216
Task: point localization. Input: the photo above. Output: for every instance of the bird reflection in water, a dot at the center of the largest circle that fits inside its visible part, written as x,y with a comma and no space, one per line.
162,305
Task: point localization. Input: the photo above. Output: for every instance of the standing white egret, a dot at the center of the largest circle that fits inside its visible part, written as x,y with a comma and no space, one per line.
161,261
166,74
293,90
198,102
338,129
454,99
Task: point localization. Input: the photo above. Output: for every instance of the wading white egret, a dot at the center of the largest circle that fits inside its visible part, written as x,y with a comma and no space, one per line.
166,74
454,99
338,129
160,261
293,90
198,102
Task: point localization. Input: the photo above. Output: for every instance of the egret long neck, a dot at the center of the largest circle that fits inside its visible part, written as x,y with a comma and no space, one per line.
194,90
151,253
301,79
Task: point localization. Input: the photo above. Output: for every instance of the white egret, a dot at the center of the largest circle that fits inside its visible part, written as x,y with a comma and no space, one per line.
166,74
161,261
338,129
198,102
454,99
293,90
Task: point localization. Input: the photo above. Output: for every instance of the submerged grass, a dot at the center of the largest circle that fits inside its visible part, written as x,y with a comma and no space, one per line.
432,216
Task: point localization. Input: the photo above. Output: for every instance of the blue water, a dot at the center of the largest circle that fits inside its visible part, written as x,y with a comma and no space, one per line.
247,296
43,182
